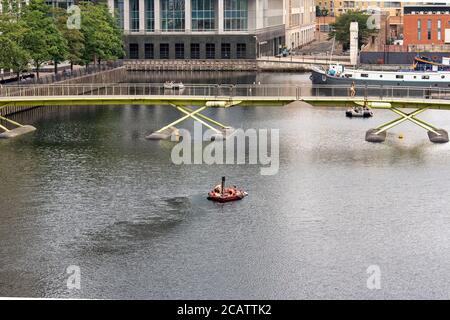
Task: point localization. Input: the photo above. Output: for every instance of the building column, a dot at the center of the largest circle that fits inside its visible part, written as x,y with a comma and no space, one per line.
157,16
187,15
126,15
220,16
142,22
111,6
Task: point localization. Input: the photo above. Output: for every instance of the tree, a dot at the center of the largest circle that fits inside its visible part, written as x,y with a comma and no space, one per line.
102,36
13,54
341,28
74,38
44,41
318,11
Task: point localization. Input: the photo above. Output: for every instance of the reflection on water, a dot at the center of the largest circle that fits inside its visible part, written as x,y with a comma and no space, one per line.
87,189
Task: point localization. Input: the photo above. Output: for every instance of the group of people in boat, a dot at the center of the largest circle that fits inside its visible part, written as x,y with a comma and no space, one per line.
222,194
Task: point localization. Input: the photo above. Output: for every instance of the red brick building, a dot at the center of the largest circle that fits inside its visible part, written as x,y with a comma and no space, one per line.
426,25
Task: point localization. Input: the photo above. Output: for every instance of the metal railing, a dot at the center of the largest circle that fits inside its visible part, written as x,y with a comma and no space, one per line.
64,73
228,91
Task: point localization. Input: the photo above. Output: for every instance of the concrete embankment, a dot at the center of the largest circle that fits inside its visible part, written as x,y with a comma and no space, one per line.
191,65
264,65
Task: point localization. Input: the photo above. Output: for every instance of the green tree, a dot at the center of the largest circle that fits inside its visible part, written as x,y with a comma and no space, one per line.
13,54
73,36
318,11
102,36
44,41
341,28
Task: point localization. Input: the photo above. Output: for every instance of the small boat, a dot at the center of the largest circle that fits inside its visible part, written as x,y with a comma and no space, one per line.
170,85
359,112
222,194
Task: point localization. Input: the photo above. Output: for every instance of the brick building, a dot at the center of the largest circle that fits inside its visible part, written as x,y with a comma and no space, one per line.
426,25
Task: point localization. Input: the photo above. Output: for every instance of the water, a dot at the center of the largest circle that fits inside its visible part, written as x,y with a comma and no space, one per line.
87,189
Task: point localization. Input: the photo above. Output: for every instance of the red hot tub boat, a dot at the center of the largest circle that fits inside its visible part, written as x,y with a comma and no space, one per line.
228,194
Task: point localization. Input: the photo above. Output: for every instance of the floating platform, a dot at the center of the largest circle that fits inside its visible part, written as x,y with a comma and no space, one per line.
372,136
17,132
166,134
442,137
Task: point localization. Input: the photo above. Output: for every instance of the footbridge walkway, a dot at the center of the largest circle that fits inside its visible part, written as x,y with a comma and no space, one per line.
192,99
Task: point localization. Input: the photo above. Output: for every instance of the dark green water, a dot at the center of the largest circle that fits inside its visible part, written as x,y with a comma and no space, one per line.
87,189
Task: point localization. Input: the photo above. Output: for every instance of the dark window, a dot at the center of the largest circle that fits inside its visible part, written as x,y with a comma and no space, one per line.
425,77
134,15
241,51
179,50
164,51
134,51
225,51
364,75
149,51
210,51
442,77
195,50
399,76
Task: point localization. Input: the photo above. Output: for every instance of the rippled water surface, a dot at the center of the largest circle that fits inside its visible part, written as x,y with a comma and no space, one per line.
87,189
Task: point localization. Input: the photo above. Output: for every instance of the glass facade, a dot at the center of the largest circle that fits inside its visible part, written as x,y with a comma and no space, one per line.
203,15
419,29
134,15
172,15
236,15
439,29
149,15
64,4
119,11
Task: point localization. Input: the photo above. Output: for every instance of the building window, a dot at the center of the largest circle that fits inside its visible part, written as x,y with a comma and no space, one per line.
179,50
419,29
149,15
236,15
439,30
134,15
119,12
210,51
429,29
172,15
203,15
225,51
164,51
149,52
241,51
134,51
195,50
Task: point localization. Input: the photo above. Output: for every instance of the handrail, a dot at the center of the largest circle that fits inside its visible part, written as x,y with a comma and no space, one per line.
222,90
